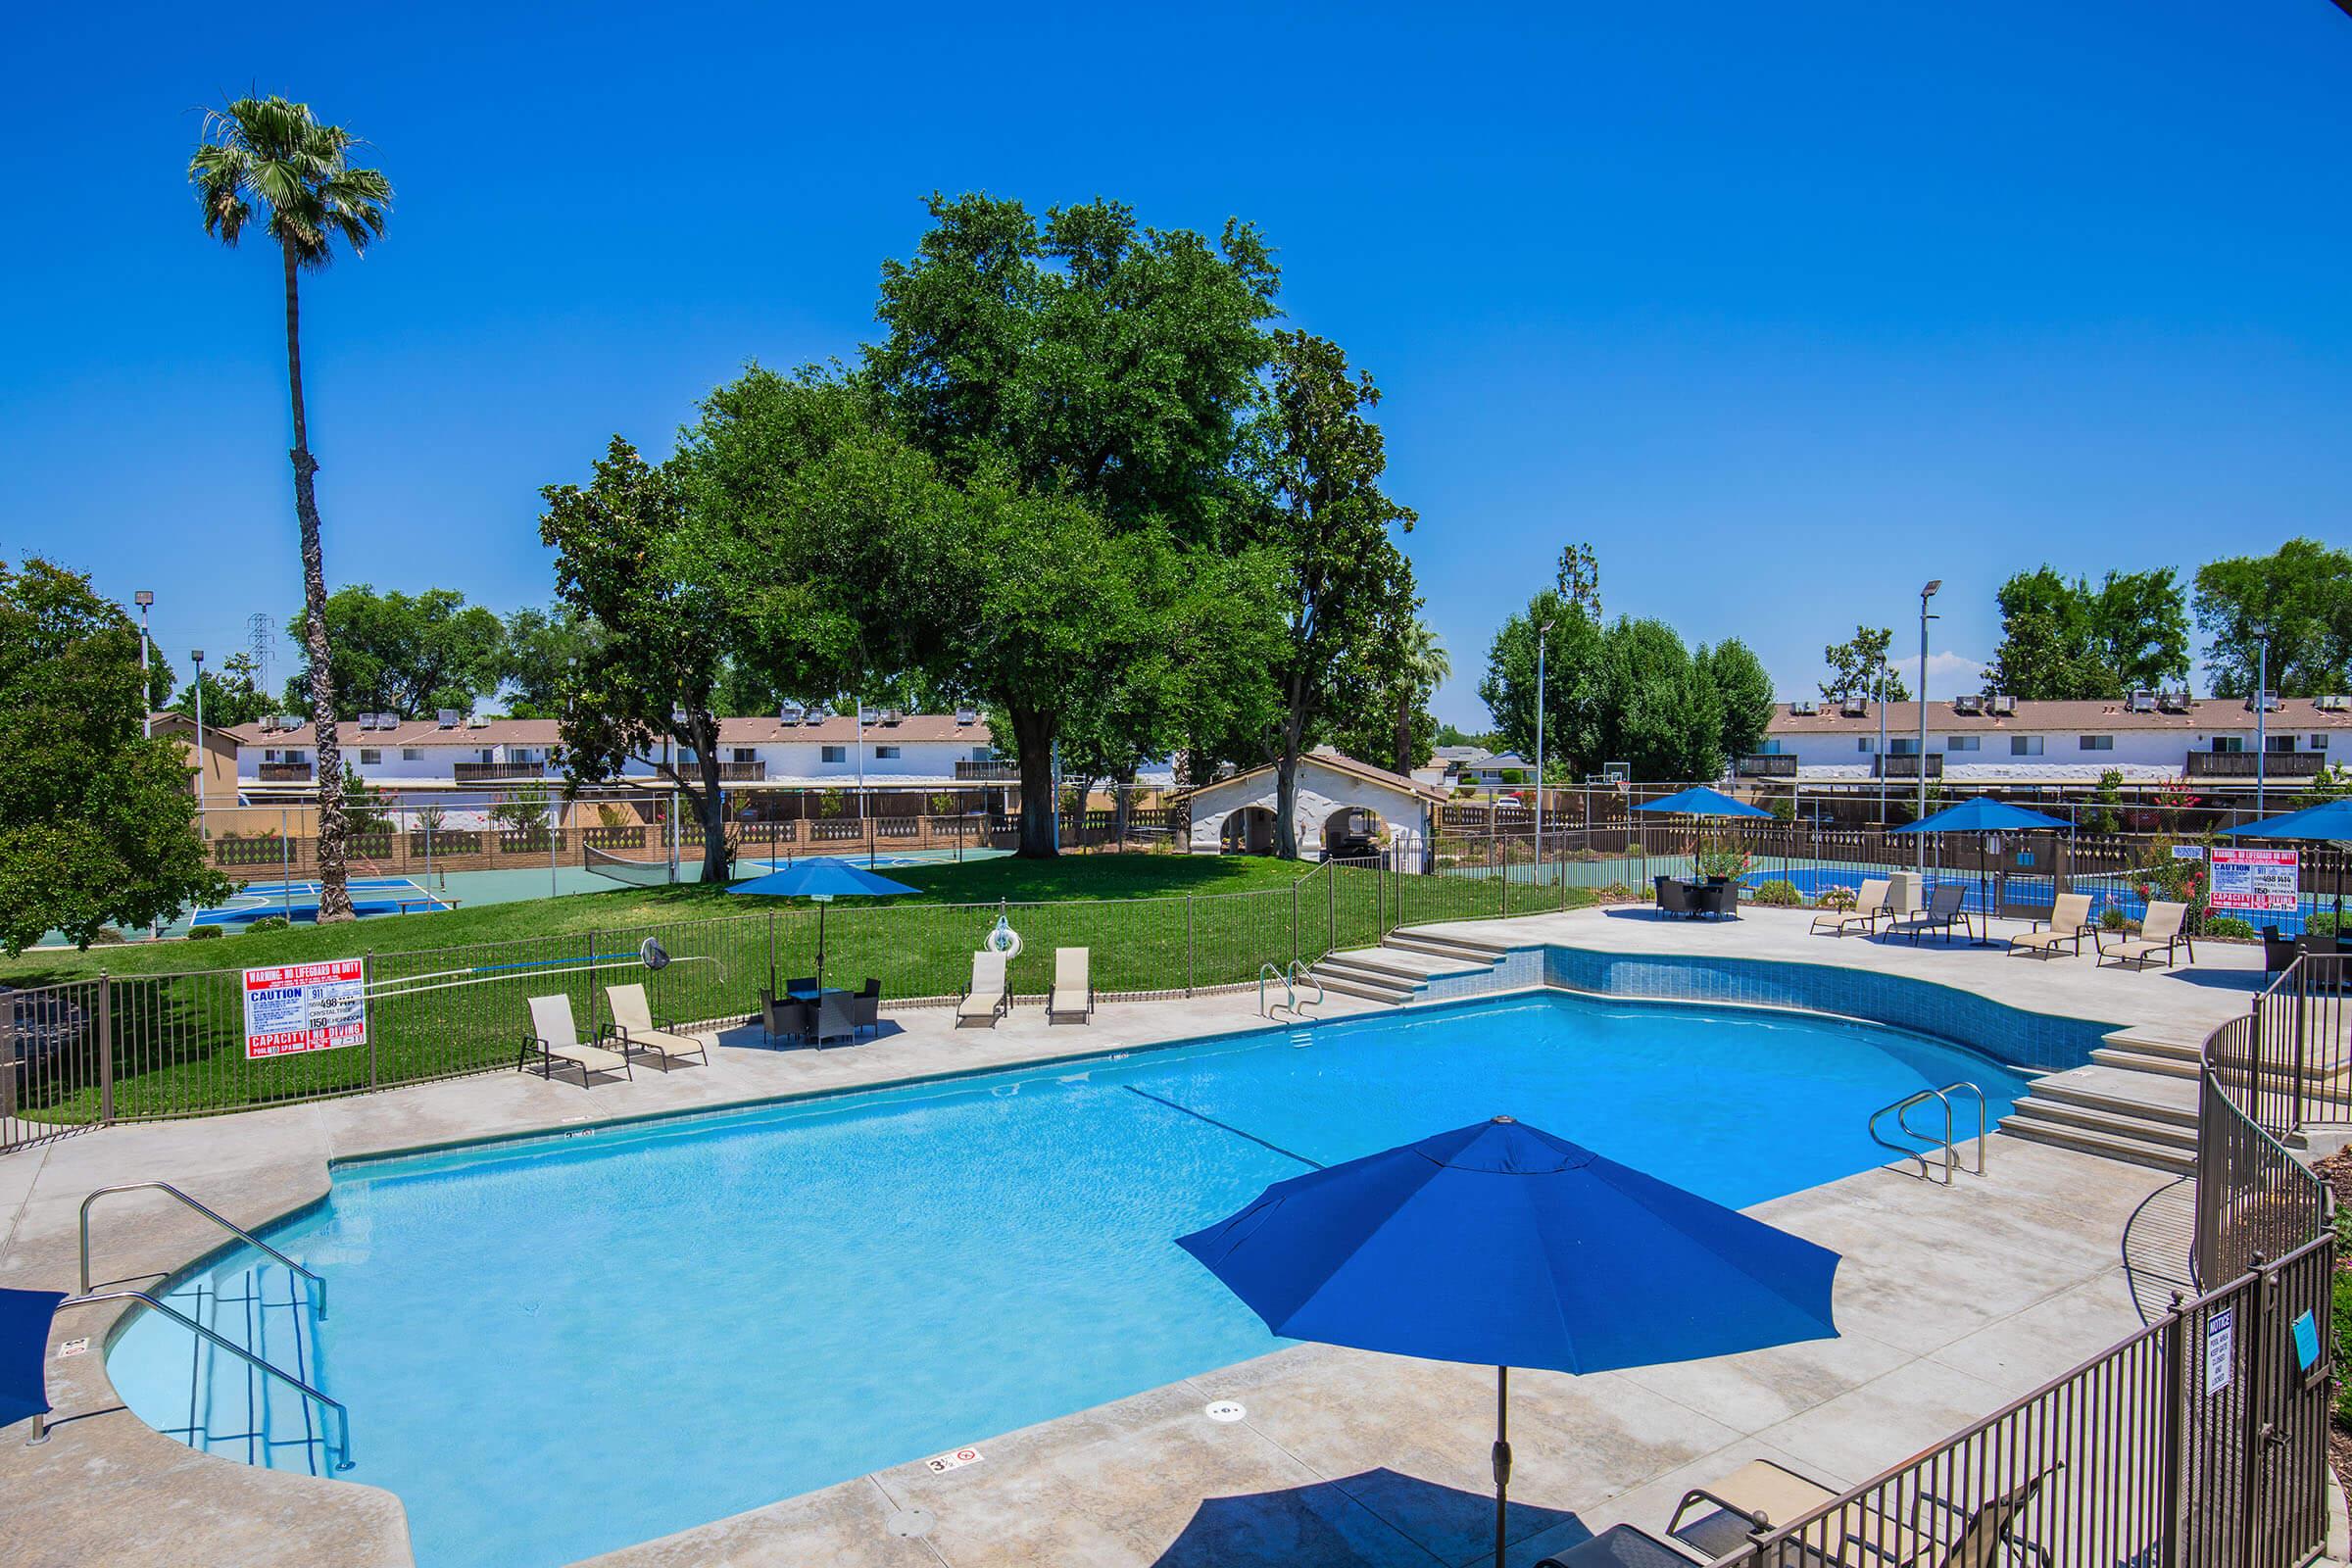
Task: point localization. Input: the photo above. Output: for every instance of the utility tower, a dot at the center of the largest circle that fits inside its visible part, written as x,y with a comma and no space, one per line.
260,644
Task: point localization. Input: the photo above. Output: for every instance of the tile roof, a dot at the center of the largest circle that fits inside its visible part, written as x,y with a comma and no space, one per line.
755,731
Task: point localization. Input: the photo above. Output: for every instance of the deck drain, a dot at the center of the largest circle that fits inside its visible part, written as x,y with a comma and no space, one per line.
908,1523
1224,1410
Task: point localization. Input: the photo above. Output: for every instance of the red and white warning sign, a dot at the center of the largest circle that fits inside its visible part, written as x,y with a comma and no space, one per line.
294,1008
952,1461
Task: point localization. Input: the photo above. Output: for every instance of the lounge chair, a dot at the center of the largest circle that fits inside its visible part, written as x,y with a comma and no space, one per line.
637,1035
555,1037
2160,931
1857,1535
1947,909
2069,924
1869,904
1620,1547
989,994
1074,992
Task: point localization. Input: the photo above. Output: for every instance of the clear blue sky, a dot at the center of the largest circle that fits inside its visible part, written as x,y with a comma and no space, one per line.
1786,308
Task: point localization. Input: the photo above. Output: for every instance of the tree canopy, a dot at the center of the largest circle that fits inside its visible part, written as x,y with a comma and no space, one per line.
2068,640
405,654
1857,663
2300,597
231,695
97,823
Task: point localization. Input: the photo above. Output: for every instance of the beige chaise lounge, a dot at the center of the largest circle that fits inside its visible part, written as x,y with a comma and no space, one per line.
2160,932
2069,924
989,994
1074,992
555,1037
1859,1535
1869,904
1948,907
633,1027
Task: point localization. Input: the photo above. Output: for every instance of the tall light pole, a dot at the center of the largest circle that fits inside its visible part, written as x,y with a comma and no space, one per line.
1543,632
2262,711
1882,758
1920,761
197,656
143,598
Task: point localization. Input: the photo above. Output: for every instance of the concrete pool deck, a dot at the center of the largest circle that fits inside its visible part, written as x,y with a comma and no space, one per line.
1954,1301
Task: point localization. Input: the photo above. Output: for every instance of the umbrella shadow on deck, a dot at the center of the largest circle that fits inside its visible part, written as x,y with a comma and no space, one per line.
1374,1519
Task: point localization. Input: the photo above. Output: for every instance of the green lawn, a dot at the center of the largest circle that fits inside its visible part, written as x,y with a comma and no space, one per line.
448,992
1078,876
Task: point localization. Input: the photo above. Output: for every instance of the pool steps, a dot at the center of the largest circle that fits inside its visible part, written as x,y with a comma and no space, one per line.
1401,966
2136,1102
235,1411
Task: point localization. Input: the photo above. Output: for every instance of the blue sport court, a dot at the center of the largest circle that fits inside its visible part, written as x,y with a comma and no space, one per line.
299,899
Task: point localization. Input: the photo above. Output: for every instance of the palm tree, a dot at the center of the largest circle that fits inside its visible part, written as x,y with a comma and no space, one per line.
273,156
1426,668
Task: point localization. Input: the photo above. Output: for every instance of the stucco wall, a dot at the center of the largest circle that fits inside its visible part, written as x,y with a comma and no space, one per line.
1322,791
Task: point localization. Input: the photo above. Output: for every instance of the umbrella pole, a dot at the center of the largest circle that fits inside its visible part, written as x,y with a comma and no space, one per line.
1502,1453
820,949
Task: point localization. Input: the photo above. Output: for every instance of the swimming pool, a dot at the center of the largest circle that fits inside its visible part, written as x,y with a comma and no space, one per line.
562,1346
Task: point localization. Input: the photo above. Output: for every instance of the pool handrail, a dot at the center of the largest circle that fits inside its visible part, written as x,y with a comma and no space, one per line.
1900,1110
1267,971
1299,971
228,1225
341,1451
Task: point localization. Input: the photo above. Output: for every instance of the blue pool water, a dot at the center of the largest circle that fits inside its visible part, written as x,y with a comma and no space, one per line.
555,1348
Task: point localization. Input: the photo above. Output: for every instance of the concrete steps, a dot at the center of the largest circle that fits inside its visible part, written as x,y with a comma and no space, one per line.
2136,1103
1466,948
1401,966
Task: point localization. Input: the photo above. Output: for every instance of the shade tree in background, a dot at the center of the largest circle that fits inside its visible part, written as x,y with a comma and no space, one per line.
231,695
407,654
97,822
536,646
2300,597
2062,639
1858,665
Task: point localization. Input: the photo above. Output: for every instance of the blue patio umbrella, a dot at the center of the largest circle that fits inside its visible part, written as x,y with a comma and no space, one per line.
1700,801
824,879
1980,814
1500,1245
2330,820
23,1345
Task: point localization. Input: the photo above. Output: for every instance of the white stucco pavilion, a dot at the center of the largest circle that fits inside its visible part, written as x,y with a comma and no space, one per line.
1339,800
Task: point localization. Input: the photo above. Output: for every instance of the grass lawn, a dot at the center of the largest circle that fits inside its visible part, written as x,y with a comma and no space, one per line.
1077,876
448,992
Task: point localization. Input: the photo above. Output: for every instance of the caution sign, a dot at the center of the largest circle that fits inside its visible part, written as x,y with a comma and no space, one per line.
294,1008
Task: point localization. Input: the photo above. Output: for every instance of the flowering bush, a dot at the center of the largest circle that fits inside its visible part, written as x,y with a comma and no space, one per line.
1778,893
1722,860
1839,899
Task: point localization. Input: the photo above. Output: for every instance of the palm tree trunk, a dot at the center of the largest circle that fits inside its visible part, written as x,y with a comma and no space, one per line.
334,897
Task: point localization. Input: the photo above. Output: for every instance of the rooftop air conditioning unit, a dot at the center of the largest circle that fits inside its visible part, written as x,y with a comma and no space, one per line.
2334,703
787,713
447,717
2139,701
2172,702
1804,706
2001,702
890,716
288,722
1855,708
1969,703
2270,703
478,721
818,713
966,717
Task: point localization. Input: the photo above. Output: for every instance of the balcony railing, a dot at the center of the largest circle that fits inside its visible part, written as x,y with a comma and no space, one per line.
2241,764
741,773
1906,764
992,771
1768,764
285,772
493,772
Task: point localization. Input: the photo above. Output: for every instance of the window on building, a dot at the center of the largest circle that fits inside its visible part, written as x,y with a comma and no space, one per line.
745,753
1769,746
886,752
298,756
1903,746
2095,743
833,754
1964,742
369,755
2024,746
2319,743
411,754
984,753
270,755
2230,743
2278,743
1866,743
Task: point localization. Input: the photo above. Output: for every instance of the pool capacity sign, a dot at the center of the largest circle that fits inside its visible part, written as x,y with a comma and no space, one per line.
294,1008
2254,881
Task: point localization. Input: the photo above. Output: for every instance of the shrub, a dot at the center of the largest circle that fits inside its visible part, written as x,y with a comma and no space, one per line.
204,933
272,923
106,936
1841,898
1778,894
2230,928
1616,892
2324,925
2111,918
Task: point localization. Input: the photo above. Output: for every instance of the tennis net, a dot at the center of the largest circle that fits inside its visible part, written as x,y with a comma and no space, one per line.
636,873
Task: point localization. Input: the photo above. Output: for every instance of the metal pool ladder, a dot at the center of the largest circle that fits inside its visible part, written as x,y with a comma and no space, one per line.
234,1229
1290,993
1930,1140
